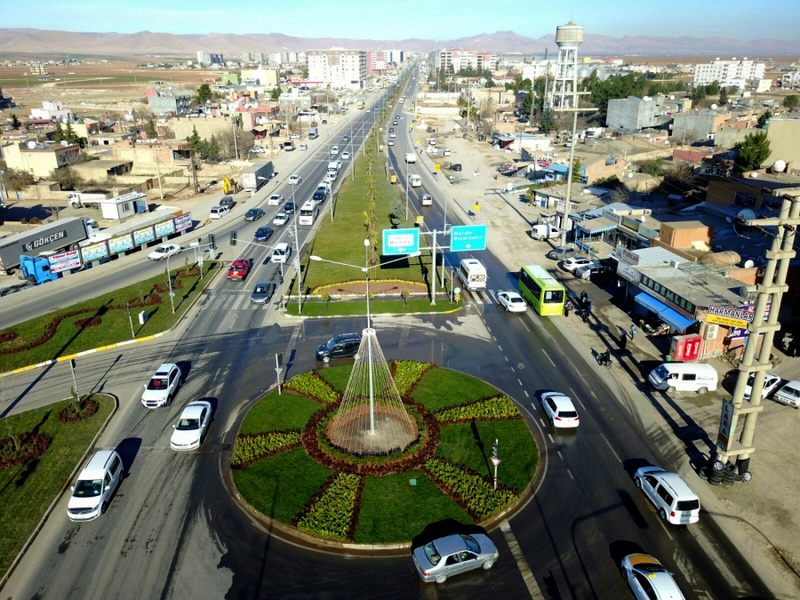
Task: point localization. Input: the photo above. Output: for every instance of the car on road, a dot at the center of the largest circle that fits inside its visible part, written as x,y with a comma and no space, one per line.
561,252
390,143
227,201
263,292
572,264
303,146
281,253
512,301
330,177
294,136
256,150
217,212
334,150
346,139
675,502
162,386
346,155
289,208
263,234
453,554
280,219
191,427
320,194
771,383
295,179
560,410
95,486
163,251
238,270
393,135
254,214
648,579
275,200
591,271
456,167
339,346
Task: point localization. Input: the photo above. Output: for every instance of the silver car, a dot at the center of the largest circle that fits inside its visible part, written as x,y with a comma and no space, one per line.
454,554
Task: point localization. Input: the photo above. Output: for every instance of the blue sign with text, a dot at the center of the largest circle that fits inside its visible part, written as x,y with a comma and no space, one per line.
467,237
397,242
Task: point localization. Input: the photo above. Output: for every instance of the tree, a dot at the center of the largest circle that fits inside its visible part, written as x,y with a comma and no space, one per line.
150,129
204,93
547,120
275,94
489,83
14,122
67,178
791,101
17,180
58,134
723,96
762,120
193,141
753,151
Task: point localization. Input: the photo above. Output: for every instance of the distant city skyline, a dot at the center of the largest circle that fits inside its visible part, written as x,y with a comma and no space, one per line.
425,19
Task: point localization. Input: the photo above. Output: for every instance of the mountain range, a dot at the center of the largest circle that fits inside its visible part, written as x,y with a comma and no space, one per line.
40,41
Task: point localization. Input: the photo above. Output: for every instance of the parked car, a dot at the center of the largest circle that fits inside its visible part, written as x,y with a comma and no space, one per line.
594,270
340,346
561,252
161,388
280,219
648,579
227,201
163,251
191,427
512,301
675,502
253,214
217,212
294,136
455,167
771,383
289,208
263,234
560,410
256,150
575,262
238,270
453,554
275,200
789,394
295,179
96,484
263,292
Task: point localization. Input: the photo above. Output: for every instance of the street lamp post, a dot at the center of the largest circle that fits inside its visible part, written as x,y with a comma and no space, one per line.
169,284
130,319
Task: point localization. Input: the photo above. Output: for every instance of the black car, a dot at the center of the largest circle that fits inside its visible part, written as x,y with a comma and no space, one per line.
455,167
227,201
289,208
254,214
262,292
263,234
339,346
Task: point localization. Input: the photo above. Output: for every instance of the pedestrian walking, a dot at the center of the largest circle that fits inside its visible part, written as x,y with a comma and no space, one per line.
633,331
623,341
567,308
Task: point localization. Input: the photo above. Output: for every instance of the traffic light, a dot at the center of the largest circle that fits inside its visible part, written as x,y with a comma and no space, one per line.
212,241
233,238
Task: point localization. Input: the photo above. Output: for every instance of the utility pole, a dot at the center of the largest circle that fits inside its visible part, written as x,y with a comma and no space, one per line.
194,173
738,417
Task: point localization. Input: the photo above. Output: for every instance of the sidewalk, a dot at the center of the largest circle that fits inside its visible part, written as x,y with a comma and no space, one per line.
759,517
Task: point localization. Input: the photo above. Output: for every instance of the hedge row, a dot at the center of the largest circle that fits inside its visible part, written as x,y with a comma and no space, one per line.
252,447
471,490
499,407
331,512
311,385
407,373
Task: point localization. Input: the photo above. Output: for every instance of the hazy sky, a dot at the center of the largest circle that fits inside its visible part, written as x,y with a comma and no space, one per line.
402,19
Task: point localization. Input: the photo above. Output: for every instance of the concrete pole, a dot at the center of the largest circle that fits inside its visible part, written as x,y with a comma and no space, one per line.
433,271
568,198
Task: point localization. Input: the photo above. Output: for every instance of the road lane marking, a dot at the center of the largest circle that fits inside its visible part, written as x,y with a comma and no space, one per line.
500,347
519,381
522,563
610,447
521,322
506,358
550,437
513,370
526,393
561,456
570,474
547,356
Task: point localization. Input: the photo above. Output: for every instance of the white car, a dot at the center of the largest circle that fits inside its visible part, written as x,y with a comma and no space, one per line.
256,150
280,219
275,200
330,177
95,486
295,179
188,432
217,212
648,578
163,251
390,143
512,301
334,150
771,383
559,409
571,264
345,155
426,200
294,136
162,386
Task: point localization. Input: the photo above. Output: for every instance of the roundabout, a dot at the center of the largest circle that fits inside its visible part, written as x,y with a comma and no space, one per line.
290,468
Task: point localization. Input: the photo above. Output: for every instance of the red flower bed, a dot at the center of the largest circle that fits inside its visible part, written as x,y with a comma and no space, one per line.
72,413
29,446
90,322
9,336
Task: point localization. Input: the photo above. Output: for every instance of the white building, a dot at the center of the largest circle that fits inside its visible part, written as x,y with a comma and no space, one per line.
459,58
337,68
206,58
53,111
729,73
538,69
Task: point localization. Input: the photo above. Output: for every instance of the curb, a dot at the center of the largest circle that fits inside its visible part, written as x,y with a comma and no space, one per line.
60,493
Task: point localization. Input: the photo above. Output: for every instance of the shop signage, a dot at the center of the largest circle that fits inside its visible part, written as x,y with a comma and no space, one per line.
164,229
183,222
143,236
94,252
725,425
740,314
64,261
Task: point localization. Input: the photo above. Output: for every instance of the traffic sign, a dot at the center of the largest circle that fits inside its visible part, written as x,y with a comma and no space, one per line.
437,167
467,237
397,242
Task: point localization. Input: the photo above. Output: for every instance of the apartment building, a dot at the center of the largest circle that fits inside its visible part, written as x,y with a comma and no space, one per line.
729,73
459,58
337,68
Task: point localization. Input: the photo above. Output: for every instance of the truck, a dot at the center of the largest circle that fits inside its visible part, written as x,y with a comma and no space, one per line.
411,158
87,199
544,231
54,236
257,175
313,133
36,269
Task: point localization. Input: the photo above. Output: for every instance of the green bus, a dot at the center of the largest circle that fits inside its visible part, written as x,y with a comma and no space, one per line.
542,290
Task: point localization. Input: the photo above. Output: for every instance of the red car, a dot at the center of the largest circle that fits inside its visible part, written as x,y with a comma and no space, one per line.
239,270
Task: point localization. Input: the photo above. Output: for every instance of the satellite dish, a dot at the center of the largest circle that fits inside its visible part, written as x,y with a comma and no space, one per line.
31,145
753,175
744,215
779,166
64,143
749,264
713,107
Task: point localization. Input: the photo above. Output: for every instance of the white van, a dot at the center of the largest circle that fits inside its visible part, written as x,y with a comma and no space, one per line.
97,482
472,274
281,253
789,394
416,180
684,377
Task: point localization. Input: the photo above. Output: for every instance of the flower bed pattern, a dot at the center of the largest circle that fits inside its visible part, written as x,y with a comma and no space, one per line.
25,448
330,513
77,412
499,407
252,447
311,385
406,373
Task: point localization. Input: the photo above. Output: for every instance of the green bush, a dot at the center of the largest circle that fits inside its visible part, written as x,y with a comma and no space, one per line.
406,374
249,448
501,407
472,490
311,384
331,513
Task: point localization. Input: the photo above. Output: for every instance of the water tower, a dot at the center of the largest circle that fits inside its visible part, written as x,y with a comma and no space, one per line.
565,84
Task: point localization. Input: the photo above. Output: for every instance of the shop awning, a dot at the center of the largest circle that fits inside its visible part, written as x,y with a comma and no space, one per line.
669,315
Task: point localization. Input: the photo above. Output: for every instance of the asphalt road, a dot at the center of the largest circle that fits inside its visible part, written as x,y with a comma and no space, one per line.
173,531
